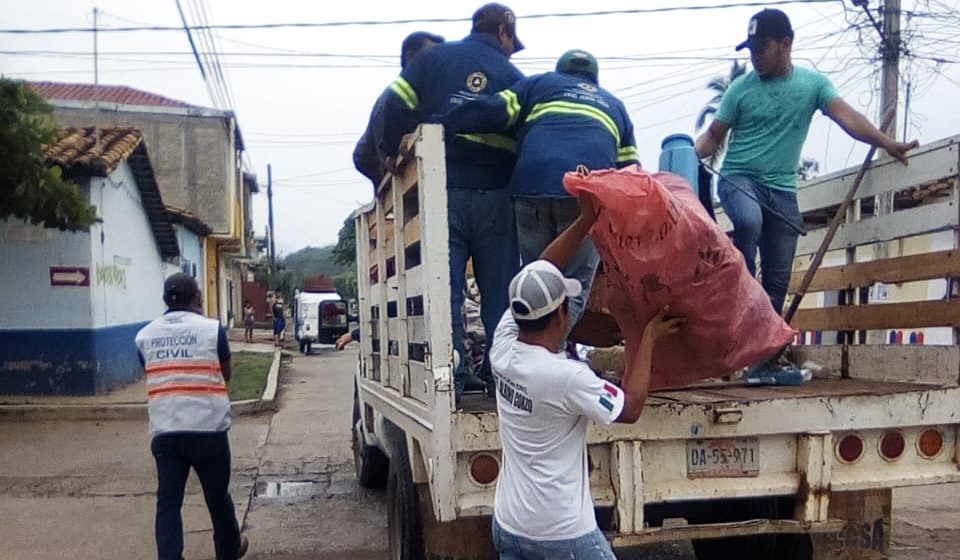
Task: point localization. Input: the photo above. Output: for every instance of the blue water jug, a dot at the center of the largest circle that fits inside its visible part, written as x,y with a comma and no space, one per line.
678,156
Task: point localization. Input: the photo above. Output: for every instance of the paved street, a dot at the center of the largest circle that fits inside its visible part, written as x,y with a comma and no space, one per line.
86,489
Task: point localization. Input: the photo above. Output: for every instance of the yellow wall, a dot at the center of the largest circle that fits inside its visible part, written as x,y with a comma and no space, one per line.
212,291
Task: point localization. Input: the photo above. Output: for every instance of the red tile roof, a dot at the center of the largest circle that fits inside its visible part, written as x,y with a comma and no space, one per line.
92,151
110,94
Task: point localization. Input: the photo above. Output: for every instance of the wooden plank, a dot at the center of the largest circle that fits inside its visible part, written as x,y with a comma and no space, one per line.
718,530
411,231
879,316
905,223
409,178
928,364
927,266
927,164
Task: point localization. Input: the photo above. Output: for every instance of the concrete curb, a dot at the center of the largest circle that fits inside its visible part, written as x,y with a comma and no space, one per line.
135,411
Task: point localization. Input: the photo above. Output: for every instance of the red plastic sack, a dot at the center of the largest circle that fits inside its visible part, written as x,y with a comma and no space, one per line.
660,247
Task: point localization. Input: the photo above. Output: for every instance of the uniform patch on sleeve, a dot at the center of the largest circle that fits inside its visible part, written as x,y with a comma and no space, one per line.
609,392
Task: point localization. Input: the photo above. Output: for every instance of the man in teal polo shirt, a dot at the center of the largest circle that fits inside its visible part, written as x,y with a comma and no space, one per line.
768,112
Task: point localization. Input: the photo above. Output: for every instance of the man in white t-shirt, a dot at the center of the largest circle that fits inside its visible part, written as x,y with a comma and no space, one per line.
543,507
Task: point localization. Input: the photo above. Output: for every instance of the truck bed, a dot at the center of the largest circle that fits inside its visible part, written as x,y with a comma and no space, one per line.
741,393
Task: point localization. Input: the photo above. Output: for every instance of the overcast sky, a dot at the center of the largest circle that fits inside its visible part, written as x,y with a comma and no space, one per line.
303,96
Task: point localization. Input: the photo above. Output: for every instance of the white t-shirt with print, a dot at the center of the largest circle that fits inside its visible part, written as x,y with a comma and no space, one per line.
545,401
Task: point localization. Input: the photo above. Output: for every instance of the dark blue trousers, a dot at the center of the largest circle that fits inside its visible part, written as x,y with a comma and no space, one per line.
208,453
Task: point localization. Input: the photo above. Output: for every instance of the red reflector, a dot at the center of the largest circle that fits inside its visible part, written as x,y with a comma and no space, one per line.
892,445
850,448
484,468
930,443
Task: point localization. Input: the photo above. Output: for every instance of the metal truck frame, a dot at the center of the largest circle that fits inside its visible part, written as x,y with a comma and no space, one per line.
809,496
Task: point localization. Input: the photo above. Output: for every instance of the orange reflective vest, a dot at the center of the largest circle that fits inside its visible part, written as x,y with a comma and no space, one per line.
185,386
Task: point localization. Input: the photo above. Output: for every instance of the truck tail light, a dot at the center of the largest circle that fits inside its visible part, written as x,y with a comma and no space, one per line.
484,468
892,445
850,448
930,443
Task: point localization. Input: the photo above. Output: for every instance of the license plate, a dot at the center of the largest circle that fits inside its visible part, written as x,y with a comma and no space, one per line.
723,458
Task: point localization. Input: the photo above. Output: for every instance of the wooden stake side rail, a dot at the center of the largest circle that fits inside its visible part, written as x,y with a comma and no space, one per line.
910,315
926,266
931,166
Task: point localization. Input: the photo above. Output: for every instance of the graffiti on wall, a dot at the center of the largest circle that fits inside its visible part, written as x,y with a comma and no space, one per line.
112,275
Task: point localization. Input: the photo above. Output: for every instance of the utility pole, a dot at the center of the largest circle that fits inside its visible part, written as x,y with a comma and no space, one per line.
890,50
96,67
273,247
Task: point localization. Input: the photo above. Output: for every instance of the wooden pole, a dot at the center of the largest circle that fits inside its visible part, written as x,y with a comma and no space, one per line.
834,225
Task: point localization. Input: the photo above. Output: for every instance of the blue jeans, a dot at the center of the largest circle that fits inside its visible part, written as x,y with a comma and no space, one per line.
481,226
209,455
592,546
539,222
755,228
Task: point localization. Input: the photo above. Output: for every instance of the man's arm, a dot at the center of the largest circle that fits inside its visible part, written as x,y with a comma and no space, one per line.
223,354
636,378
561,251
493,113
710,140
366,156
860,128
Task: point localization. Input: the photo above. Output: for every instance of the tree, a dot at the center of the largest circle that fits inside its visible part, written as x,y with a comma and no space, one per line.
31,189
345,251
719,85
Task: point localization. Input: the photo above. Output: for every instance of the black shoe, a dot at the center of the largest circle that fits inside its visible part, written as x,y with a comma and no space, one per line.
244,545
473,383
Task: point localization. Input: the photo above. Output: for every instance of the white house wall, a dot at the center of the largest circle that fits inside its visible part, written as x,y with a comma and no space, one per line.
127,272
80,339
27,253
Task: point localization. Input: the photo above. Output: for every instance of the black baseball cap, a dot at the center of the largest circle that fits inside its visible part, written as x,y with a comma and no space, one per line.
414,43
767,24
180,290
578,62
489,17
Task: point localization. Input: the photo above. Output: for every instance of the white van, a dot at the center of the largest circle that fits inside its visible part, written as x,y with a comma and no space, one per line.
318,317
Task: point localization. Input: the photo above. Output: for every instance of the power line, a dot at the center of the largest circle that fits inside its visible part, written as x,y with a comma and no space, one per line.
309,25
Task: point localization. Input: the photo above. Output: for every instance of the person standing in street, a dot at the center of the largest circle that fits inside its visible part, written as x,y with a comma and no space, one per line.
368,157
479,207
187,361
248,317
768,113
562,120
279,321
543,508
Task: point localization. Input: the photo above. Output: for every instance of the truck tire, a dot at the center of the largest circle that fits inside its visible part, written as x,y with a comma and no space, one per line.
371,464
404,527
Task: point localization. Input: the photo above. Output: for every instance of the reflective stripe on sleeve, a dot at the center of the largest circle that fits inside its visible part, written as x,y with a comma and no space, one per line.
513,105
405,92
628,154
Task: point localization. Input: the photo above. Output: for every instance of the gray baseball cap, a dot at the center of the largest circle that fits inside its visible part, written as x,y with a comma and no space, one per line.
539,289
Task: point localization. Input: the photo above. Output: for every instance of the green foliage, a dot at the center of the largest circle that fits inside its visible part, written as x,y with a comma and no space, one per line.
347,284
313,261
29,188
345,251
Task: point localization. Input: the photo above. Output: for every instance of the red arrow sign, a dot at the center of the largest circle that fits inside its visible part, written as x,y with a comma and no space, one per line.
69,276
